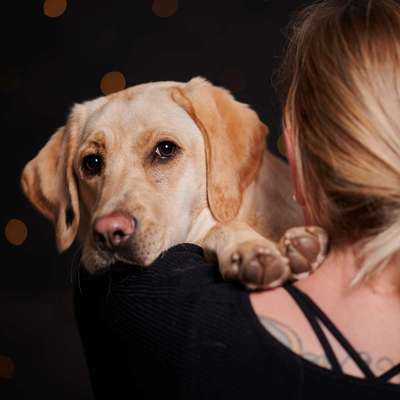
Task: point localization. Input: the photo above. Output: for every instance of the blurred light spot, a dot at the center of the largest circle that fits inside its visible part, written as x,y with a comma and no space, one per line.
54,8
16,232
165,8
282,146
7,367
112,82
233,80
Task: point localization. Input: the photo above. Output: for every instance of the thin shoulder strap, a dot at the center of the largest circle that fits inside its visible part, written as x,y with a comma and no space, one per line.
326,346
314,313
391,373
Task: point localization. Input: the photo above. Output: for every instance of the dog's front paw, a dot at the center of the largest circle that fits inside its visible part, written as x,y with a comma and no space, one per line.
305,247
258,264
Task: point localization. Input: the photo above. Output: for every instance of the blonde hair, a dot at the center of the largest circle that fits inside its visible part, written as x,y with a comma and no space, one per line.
342,88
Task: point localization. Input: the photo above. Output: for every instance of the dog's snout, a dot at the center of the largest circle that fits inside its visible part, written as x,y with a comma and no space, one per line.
113,230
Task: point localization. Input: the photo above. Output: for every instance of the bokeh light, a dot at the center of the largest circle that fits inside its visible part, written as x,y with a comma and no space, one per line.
165,8
7,367
112,82
282,146
16,232
54,8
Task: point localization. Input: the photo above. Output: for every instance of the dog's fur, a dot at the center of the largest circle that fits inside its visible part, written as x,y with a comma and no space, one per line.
222,189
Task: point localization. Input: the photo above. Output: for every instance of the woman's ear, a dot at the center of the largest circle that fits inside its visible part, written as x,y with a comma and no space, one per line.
298,193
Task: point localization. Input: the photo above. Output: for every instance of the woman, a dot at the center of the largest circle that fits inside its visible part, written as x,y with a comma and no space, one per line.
178,329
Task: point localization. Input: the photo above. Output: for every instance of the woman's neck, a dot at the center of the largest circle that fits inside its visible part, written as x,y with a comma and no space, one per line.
337,273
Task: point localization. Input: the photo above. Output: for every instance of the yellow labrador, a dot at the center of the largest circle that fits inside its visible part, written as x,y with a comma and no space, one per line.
158,164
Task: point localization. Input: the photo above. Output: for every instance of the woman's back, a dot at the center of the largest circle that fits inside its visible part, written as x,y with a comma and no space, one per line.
367,316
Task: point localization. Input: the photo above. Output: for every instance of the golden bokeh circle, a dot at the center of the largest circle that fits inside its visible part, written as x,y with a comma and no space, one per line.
165,8
282,146
7,367
112,82
16,232
54,8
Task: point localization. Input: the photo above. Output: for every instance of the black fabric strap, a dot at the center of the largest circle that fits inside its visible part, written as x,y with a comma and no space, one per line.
311,307
312,319
388,375
314,313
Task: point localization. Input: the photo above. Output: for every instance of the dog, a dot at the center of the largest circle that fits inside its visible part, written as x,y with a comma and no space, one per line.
138,171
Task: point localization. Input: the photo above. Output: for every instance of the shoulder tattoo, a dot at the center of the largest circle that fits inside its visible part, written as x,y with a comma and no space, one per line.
291,339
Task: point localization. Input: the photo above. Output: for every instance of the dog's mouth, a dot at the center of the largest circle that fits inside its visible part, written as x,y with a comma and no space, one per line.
97,259
125,255
125,260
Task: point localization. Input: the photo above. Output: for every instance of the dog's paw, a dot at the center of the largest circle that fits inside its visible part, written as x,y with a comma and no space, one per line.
306,249
258,264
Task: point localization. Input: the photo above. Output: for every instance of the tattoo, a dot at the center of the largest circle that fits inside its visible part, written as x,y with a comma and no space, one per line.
319,359
288,337
283,333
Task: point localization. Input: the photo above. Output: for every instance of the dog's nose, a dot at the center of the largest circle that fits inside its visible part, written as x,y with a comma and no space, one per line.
113,230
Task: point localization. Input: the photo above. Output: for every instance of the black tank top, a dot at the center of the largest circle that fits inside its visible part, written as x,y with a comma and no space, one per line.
316,317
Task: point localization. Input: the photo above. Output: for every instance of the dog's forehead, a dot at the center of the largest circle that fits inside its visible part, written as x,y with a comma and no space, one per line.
140,109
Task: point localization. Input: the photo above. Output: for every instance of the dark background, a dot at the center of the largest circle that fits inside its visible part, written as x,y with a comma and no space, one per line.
47,64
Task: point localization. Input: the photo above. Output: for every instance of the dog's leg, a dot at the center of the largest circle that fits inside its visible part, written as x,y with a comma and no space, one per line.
259,262
245,255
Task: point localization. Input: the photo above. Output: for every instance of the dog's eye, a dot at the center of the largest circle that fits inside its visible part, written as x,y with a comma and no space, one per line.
165,150
92,164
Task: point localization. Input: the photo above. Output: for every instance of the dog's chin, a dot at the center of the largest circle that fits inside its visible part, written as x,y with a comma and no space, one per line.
96,261
126,260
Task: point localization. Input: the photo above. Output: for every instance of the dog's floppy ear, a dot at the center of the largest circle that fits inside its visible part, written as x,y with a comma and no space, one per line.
234,140
49,182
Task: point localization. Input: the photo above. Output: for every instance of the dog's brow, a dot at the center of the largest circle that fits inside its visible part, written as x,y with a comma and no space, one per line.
96,140
151,137
145,138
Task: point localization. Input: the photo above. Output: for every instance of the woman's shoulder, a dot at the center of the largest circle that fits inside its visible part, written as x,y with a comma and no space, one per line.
179,288
283,319
180,318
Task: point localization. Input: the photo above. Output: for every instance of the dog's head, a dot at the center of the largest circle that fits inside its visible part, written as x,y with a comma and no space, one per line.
132,173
